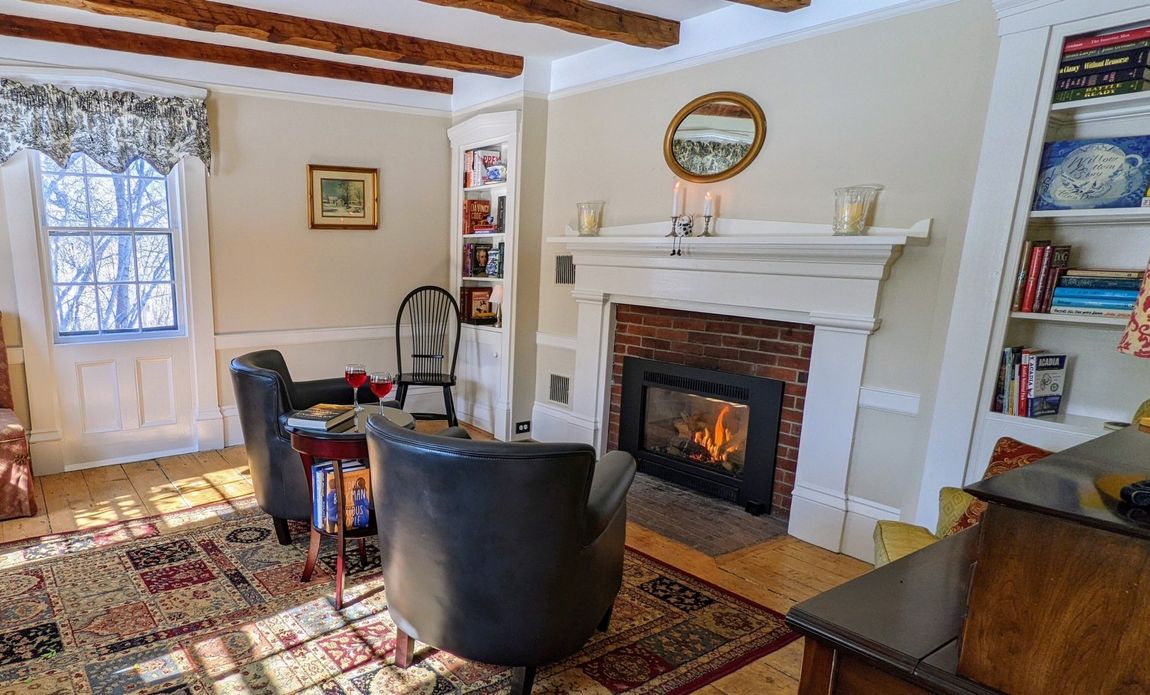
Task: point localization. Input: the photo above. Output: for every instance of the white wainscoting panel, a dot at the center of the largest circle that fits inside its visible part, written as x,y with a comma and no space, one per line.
156,391
99,393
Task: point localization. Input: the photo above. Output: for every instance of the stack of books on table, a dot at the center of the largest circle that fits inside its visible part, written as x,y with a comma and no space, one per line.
1042,266
1105,65
356,496
1030,382
322,416
1088,292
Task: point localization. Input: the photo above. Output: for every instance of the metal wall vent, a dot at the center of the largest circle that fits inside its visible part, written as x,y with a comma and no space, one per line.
564,270
560,389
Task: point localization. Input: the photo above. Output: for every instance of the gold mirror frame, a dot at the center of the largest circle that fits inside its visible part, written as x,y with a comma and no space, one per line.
743,100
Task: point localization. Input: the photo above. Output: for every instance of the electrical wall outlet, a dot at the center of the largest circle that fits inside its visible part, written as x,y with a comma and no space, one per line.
523,427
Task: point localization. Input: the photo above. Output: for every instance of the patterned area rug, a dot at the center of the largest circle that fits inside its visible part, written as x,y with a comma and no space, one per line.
206,601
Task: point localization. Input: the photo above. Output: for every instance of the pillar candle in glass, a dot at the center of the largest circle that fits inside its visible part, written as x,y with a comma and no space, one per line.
852,204
590,217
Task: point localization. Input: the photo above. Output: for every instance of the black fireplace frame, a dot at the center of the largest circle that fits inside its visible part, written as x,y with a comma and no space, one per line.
765,398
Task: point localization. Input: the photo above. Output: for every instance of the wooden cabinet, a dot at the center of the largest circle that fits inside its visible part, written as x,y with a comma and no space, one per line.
1045,595
486,257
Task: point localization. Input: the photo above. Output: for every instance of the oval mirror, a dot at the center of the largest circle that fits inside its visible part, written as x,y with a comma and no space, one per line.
714,137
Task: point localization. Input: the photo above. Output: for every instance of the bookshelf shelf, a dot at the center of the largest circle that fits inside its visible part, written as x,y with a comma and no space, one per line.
1064,422
1109,217
475,236
469,278
1102,108
485,187
1107,321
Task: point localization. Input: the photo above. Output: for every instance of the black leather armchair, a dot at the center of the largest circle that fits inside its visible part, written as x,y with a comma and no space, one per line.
506,553
264,391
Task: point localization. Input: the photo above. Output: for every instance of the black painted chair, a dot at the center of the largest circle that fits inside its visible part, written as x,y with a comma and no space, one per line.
264,391
505,553
426,346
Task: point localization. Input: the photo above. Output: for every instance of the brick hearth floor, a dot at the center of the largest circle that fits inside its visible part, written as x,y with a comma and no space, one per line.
711,526
776,573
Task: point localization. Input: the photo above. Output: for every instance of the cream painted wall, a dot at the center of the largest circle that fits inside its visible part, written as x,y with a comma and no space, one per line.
900,102
270,272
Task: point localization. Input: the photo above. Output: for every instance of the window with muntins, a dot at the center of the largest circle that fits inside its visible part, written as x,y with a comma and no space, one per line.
109,241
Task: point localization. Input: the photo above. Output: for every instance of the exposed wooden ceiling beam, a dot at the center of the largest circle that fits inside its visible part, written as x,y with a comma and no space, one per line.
60,32
778,5
581,17
309,33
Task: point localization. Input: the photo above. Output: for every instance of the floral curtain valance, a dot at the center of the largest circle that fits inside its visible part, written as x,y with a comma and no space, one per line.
708,156
113,128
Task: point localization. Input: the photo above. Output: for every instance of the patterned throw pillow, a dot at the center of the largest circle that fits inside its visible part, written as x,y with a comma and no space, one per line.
1008,455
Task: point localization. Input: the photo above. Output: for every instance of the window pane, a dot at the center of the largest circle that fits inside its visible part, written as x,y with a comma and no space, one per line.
76,309
119,308
149,203
157,310
139,167
114,261
154,256
108,202
71,257
64,202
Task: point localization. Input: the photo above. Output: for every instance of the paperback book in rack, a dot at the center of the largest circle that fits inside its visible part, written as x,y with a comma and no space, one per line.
1105,65
1031,382
357,507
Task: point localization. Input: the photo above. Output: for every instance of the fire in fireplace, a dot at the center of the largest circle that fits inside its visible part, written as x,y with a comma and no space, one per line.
710,430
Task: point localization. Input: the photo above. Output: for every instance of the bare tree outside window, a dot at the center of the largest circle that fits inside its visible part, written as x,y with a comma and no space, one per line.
110,247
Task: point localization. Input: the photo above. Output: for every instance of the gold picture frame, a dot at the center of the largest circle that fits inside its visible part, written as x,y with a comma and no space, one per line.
717,104
340,197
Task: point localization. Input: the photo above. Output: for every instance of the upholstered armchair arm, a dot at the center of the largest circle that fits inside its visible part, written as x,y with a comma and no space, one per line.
613,475
334,390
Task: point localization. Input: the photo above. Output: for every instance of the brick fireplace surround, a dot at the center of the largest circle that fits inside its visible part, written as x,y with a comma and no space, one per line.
745,346
771,274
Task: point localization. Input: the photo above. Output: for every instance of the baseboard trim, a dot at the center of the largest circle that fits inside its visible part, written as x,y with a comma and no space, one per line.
858,529
553,424
132,458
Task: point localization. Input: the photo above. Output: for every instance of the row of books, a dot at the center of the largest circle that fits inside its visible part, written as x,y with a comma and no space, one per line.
482,167
483,260
356,497
1045,284
1030,382
477,217
1105,65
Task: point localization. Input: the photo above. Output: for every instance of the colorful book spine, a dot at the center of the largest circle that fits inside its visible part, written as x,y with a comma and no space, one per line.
1089,292
1116,37
1037,253
1104,273
1101,78
1059,261
1020,280
1106,50
1102,90
1115,61
1126,304
1100,283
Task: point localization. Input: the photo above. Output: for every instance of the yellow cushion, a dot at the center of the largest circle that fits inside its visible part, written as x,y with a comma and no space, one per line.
952,504
896,539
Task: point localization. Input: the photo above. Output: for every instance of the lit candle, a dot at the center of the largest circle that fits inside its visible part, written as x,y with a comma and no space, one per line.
708,204
678,196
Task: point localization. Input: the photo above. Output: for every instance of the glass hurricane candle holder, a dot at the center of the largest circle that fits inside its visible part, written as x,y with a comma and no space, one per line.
852,205
590,217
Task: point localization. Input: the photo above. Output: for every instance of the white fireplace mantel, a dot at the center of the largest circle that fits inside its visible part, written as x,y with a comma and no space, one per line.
783,271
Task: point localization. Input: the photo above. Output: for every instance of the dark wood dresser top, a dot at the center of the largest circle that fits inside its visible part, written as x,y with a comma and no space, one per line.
1080,484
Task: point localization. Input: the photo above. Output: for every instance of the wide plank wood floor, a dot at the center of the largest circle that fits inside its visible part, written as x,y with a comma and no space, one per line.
777,574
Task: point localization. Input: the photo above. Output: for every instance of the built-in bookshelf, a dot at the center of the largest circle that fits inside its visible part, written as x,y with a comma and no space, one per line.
1101,385
486,168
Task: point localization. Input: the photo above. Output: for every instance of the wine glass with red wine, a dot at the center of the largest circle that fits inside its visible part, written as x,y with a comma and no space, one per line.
381,385
355,375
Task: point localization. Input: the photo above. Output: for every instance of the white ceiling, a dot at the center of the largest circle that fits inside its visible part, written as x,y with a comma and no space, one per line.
555,60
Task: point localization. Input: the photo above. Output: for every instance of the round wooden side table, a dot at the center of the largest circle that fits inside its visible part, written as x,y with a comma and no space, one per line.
348,444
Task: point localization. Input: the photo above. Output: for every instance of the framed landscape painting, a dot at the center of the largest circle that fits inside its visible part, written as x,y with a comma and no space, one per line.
342,197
